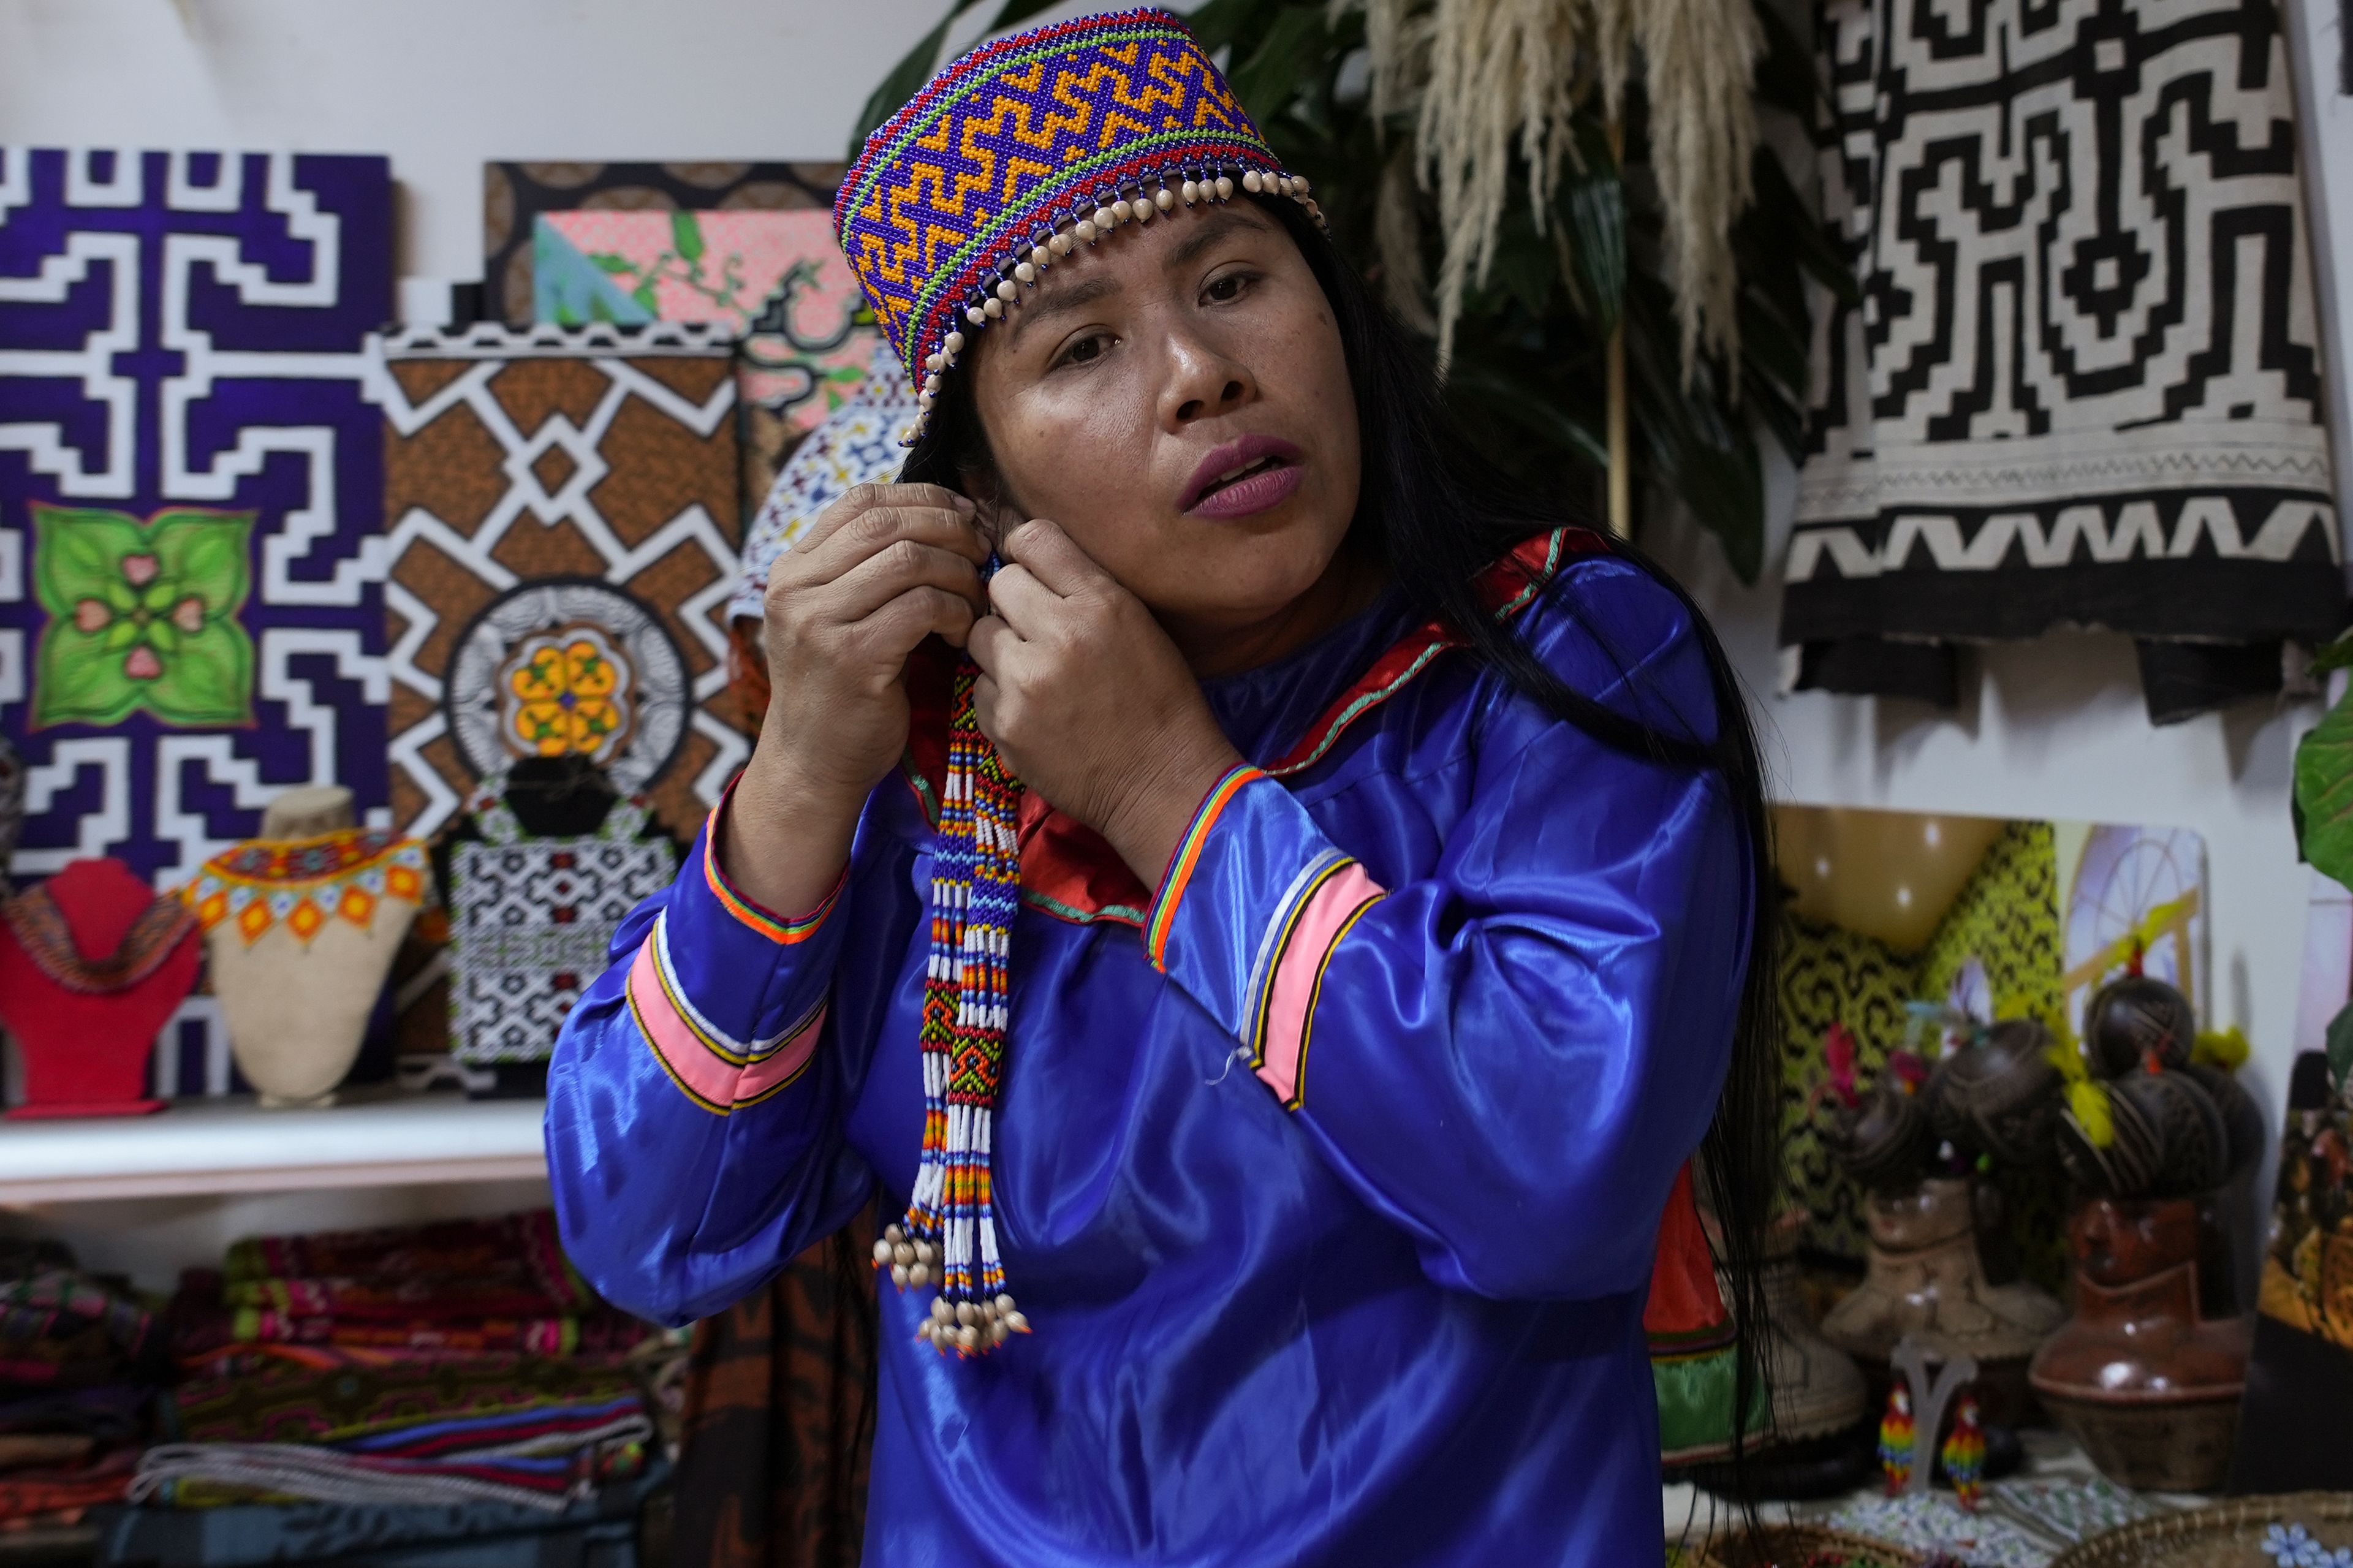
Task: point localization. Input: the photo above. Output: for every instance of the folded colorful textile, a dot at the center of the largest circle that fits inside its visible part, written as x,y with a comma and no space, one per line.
517,1249
197,1475
355,1405
107,1413
31,1493
599,1531
58,1324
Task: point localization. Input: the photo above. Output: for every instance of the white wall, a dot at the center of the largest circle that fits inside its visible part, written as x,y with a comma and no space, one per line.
442,85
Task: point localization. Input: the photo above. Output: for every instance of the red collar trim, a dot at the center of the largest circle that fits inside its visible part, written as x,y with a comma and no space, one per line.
1068,870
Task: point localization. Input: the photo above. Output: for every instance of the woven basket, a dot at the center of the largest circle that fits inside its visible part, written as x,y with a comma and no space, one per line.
1803,1546
2228,1535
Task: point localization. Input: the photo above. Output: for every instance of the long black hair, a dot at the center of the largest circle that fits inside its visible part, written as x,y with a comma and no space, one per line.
1436,516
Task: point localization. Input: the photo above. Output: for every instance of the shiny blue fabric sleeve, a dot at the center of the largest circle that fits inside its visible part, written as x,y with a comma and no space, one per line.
1508,1058
693,1120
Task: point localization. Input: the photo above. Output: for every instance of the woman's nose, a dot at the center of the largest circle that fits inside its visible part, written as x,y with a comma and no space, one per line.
1203,384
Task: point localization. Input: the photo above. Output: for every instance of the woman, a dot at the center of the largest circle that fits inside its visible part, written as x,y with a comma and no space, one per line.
1285,1078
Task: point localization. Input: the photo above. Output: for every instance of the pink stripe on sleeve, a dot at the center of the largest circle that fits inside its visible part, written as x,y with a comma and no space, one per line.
1330,910
693,1063
773,1072
707,1080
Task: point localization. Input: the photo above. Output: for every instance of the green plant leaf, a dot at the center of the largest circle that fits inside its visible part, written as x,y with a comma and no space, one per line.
1593,207
162,635
686,235
208,679
118,635
1221,23
77,554
207,553
644,295
2337,655
2340,1048
1284,58
77,680
2324,794
1786,77
607,261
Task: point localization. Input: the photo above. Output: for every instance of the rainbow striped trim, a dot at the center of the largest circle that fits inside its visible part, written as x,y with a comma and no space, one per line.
1187,855
711,1067
783,931
1325,904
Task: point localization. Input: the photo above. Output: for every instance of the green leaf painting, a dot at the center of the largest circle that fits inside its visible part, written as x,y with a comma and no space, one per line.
142,615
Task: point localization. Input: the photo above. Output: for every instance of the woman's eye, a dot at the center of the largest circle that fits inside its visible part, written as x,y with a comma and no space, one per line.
1227,290
1081,351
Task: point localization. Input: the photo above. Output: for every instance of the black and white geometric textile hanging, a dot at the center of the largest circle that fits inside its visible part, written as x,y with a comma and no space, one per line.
2082,385
530,919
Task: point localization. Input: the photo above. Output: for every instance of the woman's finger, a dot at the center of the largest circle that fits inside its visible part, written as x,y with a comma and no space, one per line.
892,571
1016,593
879,514
1053,557
891,632
991,639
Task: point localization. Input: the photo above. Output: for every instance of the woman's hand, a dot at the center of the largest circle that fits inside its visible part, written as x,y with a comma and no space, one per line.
881,570
1088,701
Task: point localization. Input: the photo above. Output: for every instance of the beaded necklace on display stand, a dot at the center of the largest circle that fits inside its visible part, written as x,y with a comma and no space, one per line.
949,1230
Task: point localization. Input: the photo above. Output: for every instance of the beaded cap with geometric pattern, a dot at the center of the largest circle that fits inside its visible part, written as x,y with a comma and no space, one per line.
1023,150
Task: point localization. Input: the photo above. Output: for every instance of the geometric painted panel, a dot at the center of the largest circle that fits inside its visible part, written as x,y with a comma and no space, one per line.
191,560
776,278
564,526
514,195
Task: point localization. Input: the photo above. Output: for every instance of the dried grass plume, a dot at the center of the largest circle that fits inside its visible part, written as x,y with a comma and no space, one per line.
1486,78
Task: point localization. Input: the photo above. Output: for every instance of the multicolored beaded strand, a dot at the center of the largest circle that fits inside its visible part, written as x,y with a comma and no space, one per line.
950,1226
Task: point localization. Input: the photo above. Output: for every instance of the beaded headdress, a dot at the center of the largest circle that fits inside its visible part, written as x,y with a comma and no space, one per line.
1027,148
1008,161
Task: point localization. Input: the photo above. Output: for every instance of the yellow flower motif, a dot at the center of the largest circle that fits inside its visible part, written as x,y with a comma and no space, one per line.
566,696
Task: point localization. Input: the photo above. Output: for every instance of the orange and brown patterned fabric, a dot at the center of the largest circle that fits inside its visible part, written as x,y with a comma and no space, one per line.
779,1422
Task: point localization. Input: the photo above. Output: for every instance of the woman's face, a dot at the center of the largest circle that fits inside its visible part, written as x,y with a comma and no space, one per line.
1177,398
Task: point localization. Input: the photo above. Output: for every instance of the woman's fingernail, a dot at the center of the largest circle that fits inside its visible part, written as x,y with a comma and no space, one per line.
963,504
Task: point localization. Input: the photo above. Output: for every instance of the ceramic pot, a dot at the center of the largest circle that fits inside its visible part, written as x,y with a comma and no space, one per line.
2134,1017
1886,1142
2137,1376
301,927
1923,1279
2000,1095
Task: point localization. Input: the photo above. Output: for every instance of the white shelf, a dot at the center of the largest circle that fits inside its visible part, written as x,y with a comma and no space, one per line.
203,1146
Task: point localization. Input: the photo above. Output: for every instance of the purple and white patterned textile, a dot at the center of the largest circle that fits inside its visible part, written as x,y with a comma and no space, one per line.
191,532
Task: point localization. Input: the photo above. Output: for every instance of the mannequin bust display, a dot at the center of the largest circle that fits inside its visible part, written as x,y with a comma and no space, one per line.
2139,1375
302,925
92,963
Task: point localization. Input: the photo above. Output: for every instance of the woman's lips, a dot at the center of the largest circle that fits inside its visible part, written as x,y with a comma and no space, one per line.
1254,493
1275,476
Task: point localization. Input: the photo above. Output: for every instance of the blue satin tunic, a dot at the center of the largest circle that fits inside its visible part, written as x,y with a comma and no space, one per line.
1329,1183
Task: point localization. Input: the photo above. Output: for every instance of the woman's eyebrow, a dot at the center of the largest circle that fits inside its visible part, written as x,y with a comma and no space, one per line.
1213,227
1049,303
